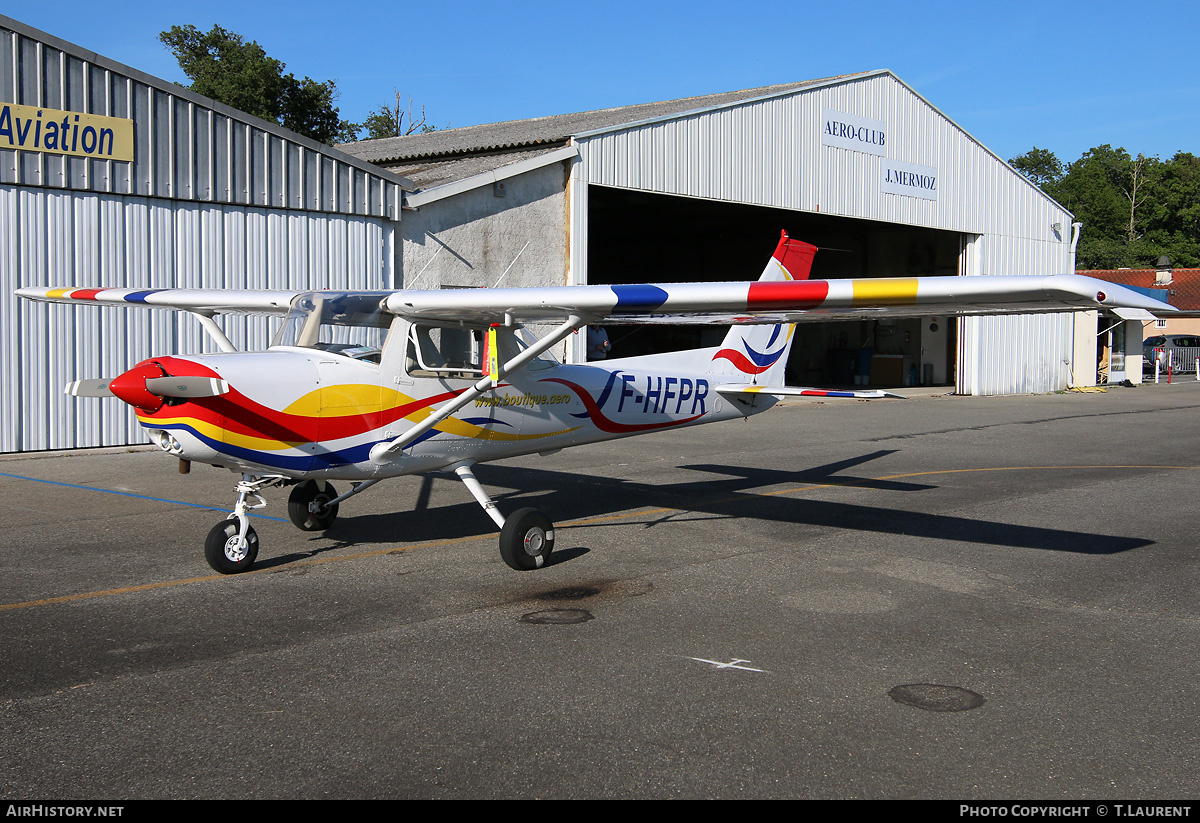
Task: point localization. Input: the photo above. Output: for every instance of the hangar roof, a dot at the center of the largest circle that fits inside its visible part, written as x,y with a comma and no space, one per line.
443,156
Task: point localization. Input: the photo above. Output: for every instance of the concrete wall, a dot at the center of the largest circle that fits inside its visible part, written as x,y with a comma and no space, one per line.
478,239
472,239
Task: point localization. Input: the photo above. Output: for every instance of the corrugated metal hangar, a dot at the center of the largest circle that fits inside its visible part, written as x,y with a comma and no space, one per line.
197,195
696,189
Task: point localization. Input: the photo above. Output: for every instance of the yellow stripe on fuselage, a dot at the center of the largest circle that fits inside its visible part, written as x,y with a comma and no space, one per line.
890,292
347,398
365,399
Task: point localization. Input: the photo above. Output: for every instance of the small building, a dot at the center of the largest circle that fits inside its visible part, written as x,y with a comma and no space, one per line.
1119,345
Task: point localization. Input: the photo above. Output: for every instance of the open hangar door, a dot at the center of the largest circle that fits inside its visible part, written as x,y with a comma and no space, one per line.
638,237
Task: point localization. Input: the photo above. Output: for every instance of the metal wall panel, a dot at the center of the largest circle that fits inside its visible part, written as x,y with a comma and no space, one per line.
61,238
769,152
186,147
1027,354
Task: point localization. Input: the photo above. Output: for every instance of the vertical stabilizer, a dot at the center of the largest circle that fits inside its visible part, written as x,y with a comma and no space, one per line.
759,353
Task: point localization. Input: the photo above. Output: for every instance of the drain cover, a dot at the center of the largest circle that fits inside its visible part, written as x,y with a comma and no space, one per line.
934,698
557,617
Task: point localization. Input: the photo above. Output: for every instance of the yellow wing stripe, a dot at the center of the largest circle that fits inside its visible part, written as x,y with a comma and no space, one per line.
889,292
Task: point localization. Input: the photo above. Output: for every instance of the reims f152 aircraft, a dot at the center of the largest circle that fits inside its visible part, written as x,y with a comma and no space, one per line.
363,386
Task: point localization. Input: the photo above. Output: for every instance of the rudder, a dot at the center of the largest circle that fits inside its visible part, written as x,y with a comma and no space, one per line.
759,353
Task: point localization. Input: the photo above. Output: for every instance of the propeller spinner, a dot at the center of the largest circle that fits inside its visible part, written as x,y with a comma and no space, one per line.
146,385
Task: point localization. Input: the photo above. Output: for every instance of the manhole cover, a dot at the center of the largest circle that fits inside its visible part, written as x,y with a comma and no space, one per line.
558,617
934,698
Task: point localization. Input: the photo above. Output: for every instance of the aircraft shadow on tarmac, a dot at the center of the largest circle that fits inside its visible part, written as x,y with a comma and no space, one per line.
738,492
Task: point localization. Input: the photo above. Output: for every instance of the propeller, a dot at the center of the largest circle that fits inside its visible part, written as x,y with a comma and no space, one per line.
145,388
187,386
90,388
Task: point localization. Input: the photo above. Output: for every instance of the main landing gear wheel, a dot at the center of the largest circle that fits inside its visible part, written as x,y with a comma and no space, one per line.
309,508
526,540
226,552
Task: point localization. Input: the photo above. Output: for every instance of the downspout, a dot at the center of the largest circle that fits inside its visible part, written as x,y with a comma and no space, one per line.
1075,230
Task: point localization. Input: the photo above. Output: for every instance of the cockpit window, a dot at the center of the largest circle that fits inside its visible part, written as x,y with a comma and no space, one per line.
445,351
350,324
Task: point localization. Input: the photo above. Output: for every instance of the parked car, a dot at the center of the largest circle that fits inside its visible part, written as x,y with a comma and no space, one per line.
1177,350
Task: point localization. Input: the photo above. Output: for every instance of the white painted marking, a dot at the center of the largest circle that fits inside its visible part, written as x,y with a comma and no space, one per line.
732,664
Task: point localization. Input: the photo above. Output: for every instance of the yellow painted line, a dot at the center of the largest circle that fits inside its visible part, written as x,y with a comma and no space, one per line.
588,521
166,584
885,292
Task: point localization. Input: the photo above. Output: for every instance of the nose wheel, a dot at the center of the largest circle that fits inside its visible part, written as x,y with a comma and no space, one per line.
229,551
232,546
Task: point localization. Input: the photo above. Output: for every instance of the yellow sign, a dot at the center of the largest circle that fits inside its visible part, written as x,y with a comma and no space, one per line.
28,128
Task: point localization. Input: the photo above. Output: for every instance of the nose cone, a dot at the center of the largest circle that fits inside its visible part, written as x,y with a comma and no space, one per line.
131,387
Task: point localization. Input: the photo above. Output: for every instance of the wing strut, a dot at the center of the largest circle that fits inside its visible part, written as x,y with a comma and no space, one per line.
385,452
214,331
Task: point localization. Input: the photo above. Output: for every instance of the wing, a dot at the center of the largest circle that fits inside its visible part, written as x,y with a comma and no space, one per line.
793,301
200,301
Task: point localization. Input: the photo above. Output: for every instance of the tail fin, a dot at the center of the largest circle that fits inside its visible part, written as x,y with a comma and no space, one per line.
759,353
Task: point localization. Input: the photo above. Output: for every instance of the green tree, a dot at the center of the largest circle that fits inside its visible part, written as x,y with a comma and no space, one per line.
388,121
1040,166
1173,214
1133,209
223,66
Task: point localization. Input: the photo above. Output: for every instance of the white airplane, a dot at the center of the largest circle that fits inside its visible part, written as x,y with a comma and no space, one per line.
363,386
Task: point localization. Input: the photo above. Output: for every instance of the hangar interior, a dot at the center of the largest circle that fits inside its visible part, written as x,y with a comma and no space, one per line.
638,236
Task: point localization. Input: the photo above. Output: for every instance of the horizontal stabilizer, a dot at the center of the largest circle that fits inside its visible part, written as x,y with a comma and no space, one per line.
803,391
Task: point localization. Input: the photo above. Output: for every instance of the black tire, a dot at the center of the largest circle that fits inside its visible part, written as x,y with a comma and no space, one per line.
222,552
526,540
308,492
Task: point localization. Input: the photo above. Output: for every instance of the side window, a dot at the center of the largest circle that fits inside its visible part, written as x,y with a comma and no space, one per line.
444,351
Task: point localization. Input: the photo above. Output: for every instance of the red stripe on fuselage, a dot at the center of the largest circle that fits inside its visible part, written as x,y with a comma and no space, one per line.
611,426
241,415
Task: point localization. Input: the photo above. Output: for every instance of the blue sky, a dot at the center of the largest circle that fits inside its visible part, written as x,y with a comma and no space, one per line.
1064,76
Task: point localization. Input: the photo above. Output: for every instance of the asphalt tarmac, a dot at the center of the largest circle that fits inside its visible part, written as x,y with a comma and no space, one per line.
945,597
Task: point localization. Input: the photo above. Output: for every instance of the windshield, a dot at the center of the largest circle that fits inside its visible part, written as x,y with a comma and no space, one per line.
352,324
